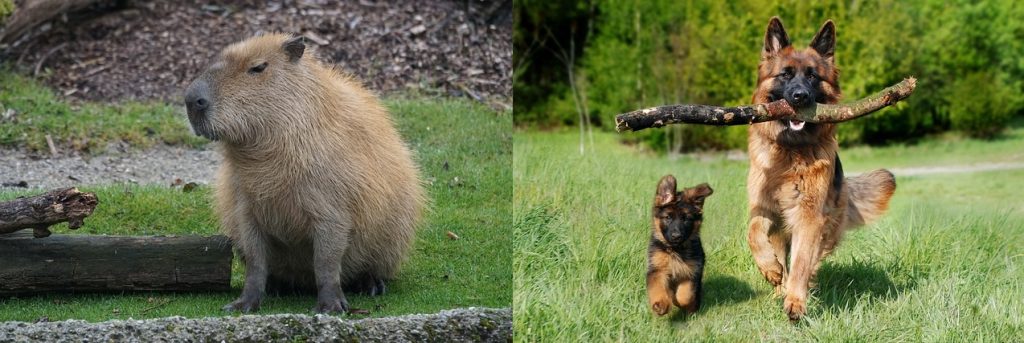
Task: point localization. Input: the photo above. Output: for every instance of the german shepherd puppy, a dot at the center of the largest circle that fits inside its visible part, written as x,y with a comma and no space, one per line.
800,203
675,258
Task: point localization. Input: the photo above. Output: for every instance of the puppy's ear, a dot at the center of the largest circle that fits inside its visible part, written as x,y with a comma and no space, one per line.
695,195
775,38
666,191
825,41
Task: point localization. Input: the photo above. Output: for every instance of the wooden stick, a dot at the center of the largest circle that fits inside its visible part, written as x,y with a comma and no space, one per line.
756,113
41,211
64,263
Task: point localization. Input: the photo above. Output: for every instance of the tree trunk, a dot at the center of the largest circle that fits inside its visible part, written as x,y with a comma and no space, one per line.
113,263
747,114
31,13
41,211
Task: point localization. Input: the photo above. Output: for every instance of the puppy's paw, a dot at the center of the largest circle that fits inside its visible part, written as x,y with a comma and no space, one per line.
661,307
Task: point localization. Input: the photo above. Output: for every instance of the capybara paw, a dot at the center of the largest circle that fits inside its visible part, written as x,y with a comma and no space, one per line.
660,307
243,304
369,285
794,308
331,305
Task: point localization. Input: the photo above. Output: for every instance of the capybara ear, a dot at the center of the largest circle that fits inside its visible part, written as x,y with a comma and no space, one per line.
294,47
695,195
775,38
666,191
825,41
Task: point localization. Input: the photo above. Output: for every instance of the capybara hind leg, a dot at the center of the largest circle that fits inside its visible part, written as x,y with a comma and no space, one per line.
368,284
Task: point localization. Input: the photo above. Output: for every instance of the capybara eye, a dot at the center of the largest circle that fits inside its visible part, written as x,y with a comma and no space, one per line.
258,69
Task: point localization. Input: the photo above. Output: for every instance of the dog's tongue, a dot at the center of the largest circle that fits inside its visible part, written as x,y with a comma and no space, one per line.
796,125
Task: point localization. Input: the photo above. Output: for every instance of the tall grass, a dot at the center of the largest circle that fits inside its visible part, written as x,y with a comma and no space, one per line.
945,264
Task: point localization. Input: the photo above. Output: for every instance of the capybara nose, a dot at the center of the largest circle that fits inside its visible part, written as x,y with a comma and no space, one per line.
196,104
196,101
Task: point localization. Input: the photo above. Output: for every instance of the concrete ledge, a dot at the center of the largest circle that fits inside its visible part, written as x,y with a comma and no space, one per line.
459,325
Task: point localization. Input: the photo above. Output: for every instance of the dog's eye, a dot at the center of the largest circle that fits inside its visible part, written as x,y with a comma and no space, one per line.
786,73
258,69
811,74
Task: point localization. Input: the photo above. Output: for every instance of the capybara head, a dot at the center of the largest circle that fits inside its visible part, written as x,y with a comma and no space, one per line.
251,88
801,77
678,214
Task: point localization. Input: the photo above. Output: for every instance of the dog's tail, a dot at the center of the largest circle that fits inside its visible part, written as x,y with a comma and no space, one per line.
869,195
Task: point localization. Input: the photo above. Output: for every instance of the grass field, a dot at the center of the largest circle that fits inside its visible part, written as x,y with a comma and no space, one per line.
945,264
475,270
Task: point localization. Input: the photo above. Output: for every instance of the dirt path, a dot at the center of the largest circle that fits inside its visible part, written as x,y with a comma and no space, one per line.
161,166
164,164
955,169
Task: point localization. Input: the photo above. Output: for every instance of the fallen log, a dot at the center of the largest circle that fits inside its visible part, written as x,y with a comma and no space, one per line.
64,263
32,13
41,211
756,113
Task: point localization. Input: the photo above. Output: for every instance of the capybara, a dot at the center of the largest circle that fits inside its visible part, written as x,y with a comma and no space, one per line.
675,256
800,203
317,191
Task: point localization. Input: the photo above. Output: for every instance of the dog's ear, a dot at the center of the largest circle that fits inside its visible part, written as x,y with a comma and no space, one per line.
775,38
825,41
666,191
695,195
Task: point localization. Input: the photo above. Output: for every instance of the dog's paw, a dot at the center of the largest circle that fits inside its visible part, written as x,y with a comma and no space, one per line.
774,277
794,308
660,307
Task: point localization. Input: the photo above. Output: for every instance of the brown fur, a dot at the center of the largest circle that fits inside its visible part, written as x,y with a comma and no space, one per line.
675,265
317,189
800,205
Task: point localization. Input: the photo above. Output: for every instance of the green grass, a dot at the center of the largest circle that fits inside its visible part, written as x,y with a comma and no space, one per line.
945,264
85,126
440,273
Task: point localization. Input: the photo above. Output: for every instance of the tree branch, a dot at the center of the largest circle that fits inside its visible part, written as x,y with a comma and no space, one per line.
41,211
756,113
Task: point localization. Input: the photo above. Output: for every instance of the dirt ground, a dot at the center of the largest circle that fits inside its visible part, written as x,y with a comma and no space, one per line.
120,50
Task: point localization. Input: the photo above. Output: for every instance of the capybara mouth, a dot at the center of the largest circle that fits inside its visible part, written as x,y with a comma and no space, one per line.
201,127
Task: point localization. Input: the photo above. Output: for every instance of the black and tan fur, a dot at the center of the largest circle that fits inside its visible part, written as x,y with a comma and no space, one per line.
675,257
800,202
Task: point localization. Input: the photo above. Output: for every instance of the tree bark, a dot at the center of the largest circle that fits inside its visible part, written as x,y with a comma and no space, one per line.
31,13
65,263
41,211
756,113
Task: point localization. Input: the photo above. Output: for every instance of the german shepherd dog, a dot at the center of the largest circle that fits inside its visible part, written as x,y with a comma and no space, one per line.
675,258
800,203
